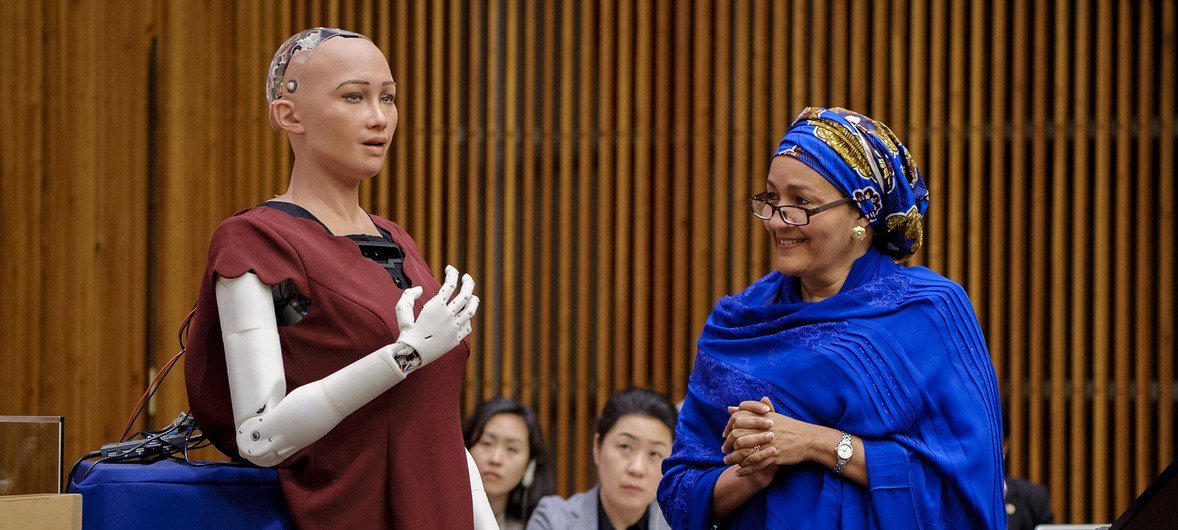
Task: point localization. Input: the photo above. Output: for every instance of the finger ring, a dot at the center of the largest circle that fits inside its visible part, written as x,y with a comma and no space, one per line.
756,448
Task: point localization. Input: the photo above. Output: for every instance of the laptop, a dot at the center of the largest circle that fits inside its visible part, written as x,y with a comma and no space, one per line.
1157,507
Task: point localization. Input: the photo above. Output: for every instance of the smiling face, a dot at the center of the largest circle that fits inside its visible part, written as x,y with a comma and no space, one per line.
820,253
629,464
343,115
502,454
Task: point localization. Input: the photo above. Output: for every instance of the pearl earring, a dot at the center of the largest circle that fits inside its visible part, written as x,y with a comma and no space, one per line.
858,233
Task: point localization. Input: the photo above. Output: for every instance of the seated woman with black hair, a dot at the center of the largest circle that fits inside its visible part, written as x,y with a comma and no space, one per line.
634,435
504,438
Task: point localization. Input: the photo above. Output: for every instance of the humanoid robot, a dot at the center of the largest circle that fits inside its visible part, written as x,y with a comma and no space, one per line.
260,302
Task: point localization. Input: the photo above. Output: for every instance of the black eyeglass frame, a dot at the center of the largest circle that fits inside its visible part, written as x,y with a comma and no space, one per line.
763,198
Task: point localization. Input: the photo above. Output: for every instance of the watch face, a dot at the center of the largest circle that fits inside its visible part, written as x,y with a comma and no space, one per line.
845,451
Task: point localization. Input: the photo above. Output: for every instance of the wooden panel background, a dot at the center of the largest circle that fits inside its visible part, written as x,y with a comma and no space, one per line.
588,162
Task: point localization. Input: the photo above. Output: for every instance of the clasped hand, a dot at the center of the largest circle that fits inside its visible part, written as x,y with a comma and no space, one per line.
758,439
442,323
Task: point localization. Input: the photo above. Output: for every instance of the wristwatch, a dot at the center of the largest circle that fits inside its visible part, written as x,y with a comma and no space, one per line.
844,451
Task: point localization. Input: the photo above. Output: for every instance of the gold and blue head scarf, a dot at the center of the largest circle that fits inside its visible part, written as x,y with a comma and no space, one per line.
865,160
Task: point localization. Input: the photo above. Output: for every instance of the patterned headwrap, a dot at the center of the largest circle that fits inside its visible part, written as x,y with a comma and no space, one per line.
864,160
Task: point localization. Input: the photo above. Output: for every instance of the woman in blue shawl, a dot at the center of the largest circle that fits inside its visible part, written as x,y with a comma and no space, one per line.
842,390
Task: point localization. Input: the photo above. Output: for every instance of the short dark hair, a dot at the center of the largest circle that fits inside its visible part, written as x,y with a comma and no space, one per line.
640,401
521,500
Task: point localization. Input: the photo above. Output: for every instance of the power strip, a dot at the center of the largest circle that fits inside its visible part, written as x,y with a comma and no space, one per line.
166,444
170,440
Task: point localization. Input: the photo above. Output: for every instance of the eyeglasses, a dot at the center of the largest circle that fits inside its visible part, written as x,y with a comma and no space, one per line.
792,214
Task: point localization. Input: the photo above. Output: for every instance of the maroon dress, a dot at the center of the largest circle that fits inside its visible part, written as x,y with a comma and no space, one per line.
397,462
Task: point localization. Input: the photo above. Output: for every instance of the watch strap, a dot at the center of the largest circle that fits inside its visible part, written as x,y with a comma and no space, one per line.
840,464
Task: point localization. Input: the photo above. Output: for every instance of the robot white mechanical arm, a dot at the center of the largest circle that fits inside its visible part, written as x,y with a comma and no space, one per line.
272,424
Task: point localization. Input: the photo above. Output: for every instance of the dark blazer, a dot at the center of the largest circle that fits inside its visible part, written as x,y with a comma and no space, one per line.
580,512
1027,505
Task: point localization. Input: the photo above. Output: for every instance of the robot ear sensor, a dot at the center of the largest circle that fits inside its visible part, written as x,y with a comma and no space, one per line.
291,86
529,474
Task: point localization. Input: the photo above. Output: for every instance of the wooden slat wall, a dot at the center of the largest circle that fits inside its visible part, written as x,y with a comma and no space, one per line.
73,213
587,163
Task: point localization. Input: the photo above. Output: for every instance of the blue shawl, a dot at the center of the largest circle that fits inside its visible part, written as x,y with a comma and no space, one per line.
896,358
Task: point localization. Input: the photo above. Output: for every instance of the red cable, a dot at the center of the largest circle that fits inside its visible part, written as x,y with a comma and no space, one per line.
153,386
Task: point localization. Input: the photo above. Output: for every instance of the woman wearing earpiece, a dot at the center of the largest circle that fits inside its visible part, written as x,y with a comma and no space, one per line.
504,438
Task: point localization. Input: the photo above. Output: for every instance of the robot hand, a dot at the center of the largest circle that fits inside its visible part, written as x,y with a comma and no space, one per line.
442,324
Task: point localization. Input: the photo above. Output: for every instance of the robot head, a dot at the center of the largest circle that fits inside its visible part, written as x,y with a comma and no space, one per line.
283,76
